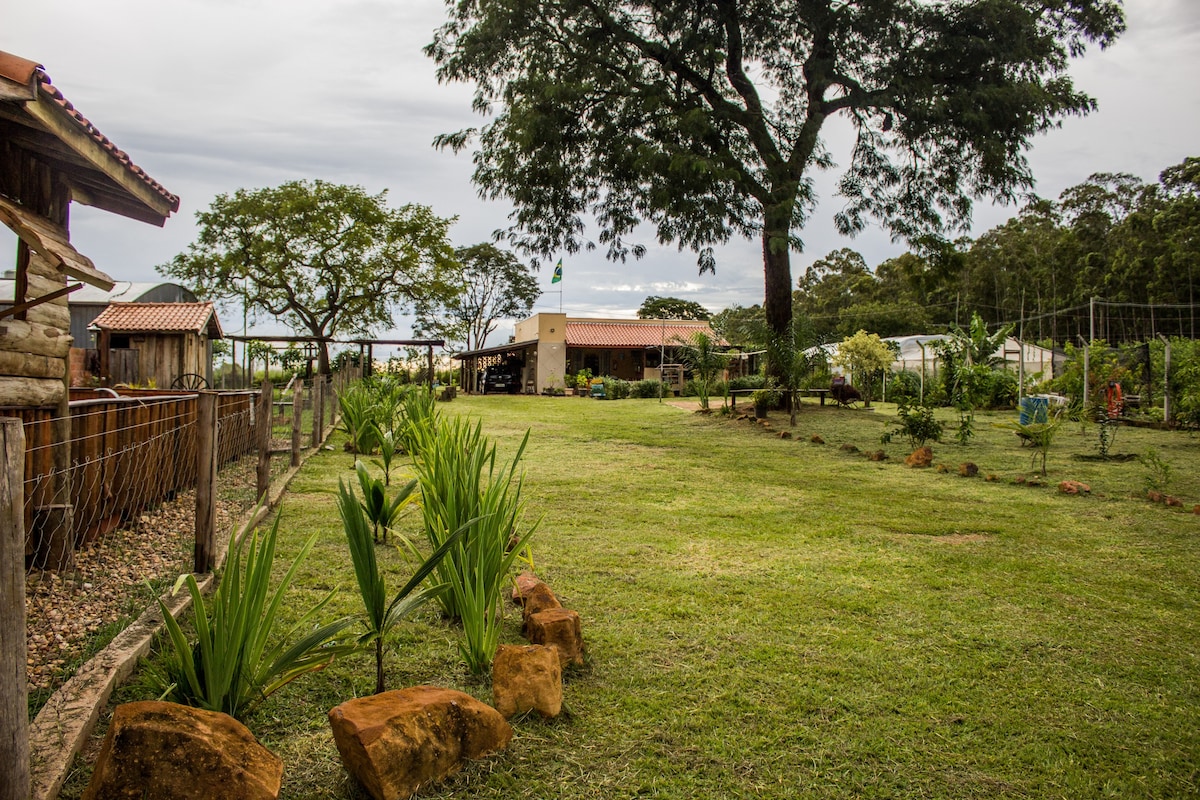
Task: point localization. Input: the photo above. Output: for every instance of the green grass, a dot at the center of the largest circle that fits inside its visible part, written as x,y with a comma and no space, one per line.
776,618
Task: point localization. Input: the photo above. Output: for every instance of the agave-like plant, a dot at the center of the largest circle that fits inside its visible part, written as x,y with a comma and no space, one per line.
239,658
461,487
380,511
358,409
380,614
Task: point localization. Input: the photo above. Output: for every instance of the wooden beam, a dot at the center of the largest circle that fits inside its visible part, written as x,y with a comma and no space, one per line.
32,337
20,308
52,243
58,122
14,710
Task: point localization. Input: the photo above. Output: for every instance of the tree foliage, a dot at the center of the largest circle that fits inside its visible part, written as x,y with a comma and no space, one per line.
705,120
864,354
671,308
324,259
494,285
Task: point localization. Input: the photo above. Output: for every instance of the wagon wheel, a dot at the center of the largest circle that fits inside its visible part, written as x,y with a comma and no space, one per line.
190,382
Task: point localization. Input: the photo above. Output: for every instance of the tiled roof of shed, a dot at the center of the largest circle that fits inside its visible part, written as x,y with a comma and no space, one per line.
630,333
159,318
22,70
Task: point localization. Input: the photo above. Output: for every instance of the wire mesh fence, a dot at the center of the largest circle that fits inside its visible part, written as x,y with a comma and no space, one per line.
110,509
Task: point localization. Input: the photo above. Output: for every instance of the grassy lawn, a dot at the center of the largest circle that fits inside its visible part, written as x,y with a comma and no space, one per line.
771,617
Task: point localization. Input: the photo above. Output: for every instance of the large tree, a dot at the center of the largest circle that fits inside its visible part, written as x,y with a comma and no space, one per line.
325,259
705,119
672,308
494,285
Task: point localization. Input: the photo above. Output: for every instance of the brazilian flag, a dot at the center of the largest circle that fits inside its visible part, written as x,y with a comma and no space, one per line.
557,272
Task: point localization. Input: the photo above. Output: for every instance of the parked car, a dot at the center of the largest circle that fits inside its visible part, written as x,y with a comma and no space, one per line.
500,380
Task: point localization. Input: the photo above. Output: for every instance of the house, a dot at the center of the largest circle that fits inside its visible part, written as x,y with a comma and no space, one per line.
546,347
165,345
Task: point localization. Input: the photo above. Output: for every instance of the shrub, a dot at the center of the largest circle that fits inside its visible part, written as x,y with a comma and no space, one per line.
615,388
904,385
916,423
239,658
649,388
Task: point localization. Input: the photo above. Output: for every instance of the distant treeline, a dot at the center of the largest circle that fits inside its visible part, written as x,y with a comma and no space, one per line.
1133,245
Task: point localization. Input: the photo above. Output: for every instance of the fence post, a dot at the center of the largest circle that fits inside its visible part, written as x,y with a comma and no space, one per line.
318,409
297,413
14,709
263,483
206,483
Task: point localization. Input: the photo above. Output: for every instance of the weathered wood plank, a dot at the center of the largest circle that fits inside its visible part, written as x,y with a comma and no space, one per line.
26,365
14,711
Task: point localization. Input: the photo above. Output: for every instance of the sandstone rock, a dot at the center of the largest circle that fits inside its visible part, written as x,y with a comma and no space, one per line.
537,600
395,742
1154,497
991,477
1074,487
527,678
157,749
878,455
525,582
785,434
816,439
1196,509
1173,501
968,469
561,628
921,457
849,448
942,468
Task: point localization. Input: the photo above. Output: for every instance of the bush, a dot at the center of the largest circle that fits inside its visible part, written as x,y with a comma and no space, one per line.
916,423
645,389
904,385
615,388
748,382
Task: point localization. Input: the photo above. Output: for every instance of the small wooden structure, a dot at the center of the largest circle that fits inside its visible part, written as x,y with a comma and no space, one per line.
170,342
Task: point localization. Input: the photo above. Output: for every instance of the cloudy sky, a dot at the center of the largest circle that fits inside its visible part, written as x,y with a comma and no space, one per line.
214,95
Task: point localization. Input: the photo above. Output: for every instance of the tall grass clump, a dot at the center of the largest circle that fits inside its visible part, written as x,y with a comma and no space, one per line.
239,658
462,488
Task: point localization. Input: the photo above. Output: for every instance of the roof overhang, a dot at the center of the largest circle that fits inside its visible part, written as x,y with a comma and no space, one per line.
37,118
498,350
50,242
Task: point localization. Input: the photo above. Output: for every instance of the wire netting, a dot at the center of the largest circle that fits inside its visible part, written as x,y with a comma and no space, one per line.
110,512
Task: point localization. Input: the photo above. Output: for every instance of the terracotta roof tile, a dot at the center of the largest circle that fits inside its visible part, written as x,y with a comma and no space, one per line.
629,333
120,155
159,318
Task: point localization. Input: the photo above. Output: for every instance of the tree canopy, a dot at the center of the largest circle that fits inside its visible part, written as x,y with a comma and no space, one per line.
704,120
325,259
493,285
671,308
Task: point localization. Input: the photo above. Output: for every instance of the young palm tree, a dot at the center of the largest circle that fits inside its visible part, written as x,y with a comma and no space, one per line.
699,353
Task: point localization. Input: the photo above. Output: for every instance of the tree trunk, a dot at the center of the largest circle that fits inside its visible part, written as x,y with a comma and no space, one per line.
777,296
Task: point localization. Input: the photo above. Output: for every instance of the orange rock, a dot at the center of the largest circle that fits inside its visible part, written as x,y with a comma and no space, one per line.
539,599
968,469
525,582
1074,487
395,742
561,628
527,678
158,749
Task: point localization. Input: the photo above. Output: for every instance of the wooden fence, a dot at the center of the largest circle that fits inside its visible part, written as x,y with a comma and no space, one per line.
128,452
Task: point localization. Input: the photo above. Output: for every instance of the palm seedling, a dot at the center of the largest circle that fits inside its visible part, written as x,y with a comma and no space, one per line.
380,511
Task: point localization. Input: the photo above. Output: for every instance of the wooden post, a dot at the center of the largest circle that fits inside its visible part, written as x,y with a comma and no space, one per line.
263,474
297,413
14,709
318,394
206,483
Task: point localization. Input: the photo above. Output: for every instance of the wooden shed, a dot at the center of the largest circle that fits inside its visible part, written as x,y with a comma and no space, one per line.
50,156
159,345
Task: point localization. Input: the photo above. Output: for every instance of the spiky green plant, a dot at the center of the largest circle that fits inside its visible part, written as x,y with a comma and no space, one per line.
381,511
239,659
381,615
462,487
357,406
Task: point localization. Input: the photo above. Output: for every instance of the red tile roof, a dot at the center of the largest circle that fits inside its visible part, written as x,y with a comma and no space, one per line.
23,71
631,333
159,318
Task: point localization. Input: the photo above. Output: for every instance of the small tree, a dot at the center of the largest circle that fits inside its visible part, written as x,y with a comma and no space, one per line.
699,354
671,308
864,354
